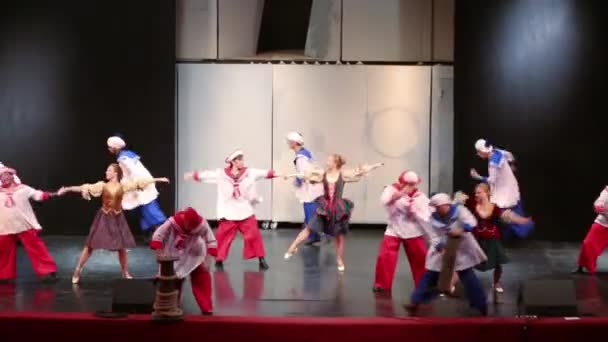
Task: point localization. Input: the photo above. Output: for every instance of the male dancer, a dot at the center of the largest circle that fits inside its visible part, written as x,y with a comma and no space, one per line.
456,221
133,170
236,198
408,221
596,239
504,189
17,221
305,192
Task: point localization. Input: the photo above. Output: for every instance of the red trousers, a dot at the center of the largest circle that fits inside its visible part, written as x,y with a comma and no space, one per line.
200,280
594,244
253,243
42,262
415,249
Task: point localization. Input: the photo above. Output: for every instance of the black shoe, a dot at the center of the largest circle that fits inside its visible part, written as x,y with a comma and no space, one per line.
207,313
219,266
50,278
578,270
378,290
263,264
412,309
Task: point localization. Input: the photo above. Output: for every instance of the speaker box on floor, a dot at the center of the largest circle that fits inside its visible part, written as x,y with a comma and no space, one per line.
134,296
548,298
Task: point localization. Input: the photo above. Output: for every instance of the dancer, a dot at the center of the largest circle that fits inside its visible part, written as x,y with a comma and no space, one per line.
504,189
333,213
18,222
236,198
146,198
487,233
306,192
15,177
409,218
109,230
188,237
597,237
451,219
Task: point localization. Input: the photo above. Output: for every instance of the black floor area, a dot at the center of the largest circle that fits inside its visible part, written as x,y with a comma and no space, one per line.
306,285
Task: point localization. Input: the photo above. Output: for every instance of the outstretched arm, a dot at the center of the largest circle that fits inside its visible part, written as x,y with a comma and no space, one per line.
202,176
361,171
141,184
87,190
39,195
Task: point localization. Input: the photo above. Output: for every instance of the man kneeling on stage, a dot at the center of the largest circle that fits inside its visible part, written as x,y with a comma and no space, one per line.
188,237
450,240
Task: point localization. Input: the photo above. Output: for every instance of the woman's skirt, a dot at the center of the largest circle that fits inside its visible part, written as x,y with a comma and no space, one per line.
495,253
110,231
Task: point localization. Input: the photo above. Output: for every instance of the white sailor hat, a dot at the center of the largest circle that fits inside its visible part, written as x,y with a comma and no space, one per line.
482,145
440,199
295,137
232,156
116,142
409,177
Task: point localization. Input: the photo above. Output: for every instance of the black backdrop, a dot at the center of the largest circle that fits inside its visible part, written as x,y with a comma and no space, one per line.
530,75
71,74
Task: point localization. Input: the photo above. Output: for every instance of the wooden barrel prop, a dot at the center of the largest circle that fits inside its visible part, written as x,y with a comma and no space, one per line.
448,263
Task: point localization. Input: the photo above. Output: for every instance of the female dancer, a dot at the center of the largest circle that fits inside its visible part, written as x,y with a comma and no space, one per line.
504,189
450,219
109,230
333,212
187,235
409,216
487,233
18,222
597,238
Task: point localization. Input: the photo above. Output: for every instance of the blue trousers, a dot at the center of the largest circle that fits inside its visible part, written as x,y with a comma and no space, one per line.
518,230
427,289
309,210
151,216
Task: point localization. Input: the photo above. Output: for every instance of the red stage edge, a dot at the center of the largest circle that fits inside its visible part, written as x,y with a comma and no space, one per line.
69,326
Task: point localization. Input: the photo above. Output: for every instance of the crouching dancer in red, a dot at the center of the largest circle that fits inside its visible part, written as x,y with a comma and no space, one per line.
17,221
188,237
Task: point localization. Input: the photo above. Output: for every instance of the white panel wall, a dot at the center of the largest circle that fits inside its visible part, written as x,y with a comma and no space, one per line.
397,129
196,29
366,113
221,108
387,30
442,123
327,104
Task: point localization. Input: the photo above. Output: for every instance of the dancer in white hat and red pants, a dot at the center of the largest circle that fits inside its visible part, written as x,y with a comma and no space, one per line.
236,198
18,222
188,237
408,220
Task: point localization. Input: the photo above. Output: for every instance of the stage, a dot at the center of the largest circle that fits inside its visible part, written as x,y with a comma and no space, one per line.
308,285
